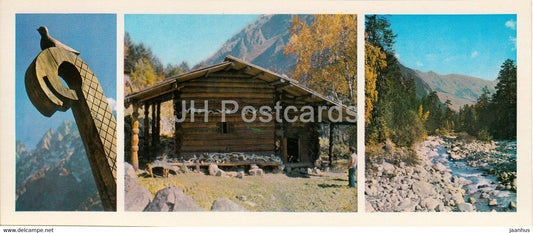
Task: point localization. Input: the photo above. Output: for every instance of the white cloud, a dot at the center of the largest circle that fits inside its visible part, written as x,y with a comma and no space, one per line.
474,54
418,63
112,104
511,24
513,40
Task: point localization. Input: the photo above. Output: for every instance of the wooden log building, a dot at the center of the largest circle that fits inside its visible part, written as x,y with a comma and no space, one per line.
248,85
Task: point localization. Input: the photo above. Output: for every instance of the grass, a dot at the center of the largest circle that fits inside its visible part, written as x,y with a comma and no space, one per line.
271,192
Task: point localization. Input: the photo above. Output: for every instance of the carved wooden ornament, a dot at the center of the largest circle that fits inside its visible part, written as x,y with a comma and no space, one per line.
89,105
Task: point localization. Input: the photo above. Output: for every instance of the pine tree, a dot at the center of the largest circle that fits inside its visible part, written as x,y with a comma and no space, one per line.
504,101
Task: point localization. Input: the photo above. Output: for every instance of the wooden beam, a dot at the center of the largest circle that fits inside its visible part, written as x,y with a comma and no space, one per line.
303,97
229,67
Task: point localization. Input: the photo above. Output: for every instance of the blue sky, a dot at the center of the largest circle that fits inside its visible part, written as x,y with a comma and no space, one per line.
178,38
93,35
474,45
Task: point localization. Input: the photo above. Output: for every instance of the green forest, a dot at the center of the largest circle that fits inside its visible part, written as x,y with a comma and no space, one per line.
393,111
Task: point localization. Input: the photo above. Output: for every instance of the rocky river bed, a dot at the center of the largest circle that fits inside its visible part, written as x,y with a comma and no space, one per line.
451,175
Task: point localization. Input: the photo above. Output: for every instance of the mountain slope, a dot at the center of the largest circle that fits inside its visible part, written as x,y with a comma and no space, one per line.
459,89
261,43
422,88
56,175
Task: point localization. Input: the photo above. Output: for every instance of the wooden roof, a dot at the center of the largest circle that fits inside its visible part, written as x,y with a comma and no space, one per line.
292,88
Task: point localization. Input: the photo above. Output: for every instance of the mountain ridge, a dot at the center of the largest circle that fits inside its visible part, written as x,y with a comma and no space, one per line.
262,42
56,175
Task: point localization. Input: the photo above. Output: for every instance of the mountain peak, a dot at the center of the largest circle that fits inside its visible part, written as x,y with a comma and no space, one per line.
46,140
261,42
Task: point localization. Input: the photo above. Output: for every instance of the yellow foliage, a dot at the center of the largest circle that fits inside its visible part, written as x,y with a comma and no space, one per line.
374,62
326,53
144,75
421,115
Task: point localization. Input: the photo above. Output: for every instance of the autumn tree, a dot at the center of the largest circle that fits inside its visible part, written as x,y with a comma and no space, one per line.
144,75
374,63
326,55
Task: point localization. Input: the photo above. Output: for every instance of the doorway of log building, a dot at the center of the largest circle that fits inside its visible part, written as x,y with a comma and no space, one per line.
293,150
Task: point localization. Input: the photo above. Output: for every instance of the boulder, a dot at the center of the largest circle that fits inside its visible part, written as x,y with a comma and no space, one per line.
136,198
172,199
225,204
240,175
130,177
465,207
368,207
442,208
213,168
220,173
256,172
406,205
231,174
458,198
423,189
430,203
511,205
440,167
387,168
493,202
129,171
472,200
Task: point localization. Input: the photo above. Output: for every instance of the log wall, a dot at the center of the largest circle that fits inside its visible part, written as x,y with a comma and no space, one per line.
199,136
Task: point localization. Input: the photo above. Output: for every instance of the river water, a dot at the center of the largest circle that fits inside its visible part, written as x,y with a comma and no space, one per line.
483,185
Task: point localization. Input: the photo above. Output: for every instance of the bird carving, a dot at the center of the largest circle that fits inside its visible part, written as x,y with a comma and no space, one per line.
47,41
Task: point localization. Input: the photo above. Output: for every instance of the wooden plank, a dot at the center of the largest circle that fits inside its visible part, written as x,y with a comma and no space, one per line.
265,136
245,148
237,131
231,142
215,89
241,101
256,124
228,79
227,95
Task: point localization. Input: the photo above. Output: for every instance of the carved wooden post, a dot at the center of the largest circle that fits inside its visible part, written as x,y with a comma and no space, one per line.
94,118
135,137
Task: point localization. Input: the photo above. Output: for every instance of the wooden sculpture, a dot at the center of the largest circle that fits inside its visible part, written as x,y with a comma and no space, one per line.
92,113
